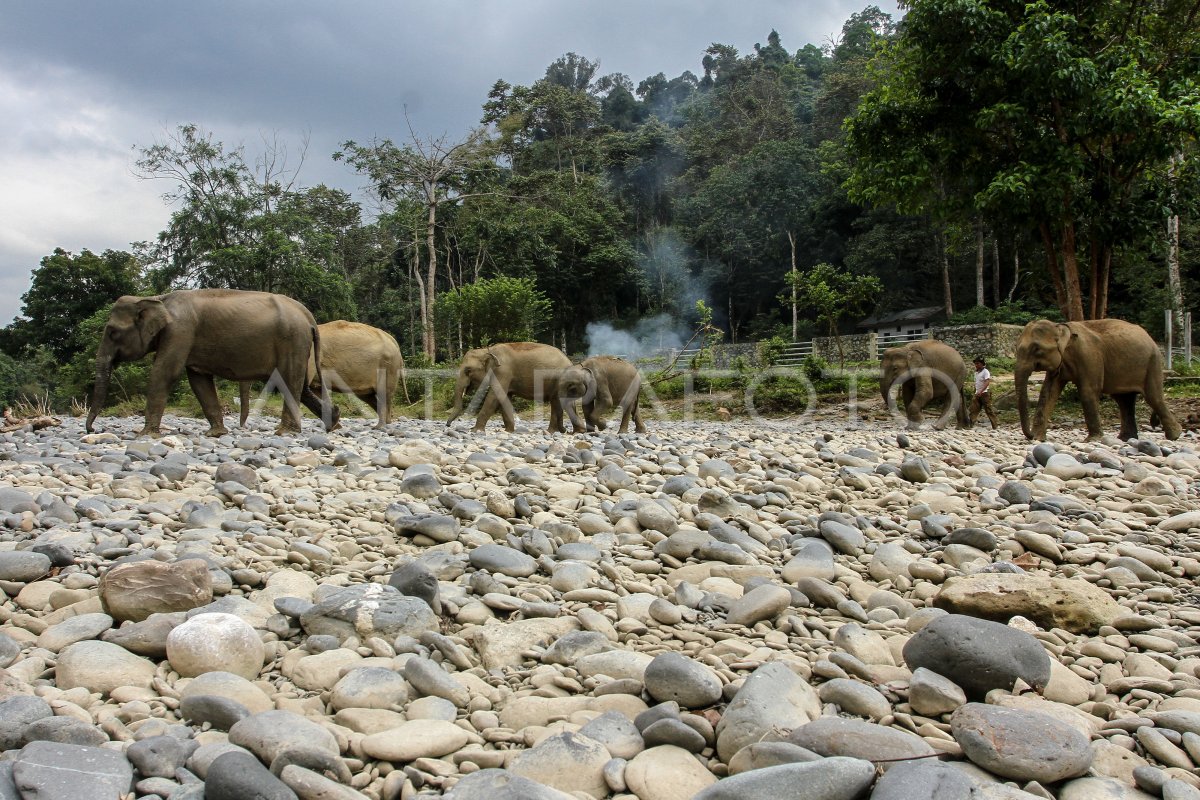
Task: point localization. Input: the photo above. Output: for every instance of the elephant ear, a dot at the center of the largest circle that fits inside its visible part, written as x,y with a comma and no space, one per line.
152,317
1063,334
916,359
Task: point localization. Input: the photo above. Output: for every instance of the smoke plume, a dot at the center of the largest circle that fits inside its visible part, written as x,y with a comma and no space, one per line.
650,335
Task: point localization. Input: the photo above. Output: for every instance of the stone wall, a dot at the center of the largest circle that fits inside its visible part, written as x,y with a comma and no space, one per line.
989,341
857,347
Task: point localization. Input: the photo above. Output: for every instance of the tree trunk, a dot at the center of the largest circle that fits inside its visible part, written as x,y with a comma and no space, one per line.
792,242
1074,293
947,295
1048,244
980,298
1101,263
995,270
1174,284
429,339
1016,272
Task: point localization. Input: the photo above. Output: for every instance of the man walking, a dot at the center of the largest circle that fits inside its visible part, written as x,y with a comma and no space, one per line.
983,395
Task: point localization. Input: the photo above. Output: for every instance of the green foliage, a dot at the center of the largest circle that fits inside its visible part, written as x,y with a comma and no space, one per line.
494,310
814,367
770,350
1050,115
67,289
1015,313
834,295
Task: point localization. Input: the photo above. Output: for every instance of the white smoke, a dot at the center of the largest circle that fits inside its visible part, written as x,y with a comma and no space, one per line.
650,335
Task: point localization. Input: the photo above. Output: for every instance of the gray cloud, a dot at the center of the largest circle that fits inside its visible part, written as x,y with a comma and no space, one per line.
83,83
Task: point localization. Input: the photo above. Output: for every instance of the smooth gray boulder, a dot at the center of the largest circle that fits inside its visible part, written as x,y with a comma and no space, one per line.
977,654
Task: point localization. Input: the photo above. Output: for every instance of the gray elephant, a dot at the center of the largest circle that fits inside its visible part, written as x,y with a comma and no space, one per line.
224,333
1101,357
521,369
602,382
928,370
356,359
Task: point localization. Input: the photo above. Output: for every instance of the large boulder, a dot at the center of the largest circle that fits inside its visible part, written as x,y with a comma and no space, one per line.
772,697
135,590
977,654
1074,605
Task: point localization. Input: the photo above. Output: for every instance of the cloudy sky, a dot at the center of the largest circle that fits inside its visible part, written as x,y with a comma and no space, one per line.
83,84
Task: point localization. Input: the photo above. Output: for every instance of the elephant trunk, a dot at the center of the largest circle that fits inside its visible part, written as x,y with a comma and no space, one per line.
1021,382
104,365
460,392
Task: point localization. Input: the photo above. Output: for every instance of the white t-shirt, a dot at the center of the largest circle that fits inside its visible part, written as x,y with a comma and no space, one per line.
981,379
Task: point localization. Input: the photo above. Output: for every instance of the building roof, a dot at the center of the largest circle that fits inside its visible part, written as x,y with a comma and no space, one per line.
898,317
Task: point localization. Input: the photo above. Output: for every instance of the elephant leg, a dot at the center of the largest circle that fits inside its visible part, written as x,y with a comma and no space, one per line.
371,399
556,416
918,397
637,416
1047,400
1158,405
961,411
1091,413
1125,403
243,401
594,423
163,374
206,392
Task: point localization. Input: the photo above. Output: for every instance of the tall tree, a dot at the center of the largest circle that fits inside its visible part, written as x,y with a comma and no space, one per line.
1052,114
432,173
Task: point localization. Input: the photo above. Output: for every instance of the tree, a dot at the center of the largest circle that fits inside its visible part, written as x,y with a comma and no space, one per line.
430,173
66,290
1051,114
834,295
248,227
494,310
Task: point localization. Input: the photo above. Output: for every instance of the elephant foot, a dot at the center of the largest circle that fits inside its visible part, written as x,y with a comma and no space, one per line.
286,430
1095,437
217,431
152,433
1172,432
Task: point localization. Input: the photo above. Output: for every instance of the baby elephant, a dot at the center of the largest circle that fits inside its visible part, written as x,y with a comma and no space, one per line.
597,381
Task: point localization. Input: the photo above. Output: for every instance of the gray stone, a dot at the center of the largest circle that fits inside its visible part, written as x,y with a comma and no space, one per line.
769,754
146,638
134,591
237,776
915,469
438,527
23,566
16,713
416,580
855,698
269,733
978,655
497,558
1015,493
54,770
237,473
221,713
827,779
771,697
673,732
616,732
367,610
1021,745
430,679
845,538
923,780
9,650
500,784
160,756
65,730
673,676
836,736
931,694
760,603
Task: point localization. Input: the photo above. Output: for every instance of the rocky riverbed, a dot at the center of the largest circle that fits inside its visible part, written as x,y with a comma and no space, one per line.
732,611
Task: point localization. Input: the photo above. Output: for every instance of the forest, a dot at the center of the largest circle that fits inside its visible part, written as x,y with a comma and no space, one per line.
1003,160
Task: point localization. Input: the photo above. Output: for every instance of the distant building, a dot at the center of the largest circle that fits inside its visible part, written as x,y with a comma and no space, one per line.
910,322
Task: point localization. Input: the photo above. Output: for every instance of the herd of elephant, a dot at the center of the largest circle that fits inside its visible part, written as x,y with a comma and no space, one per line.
258,336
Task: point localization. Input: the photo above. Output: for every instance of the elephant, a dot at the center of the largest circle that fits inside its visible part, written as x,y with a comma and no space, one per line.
929,370
1101,357
211,333
597,381
524,369
356,359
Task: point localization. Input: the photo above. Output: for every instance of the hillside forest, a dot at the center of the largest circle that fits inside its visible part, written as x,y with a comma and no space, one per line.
1001,159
